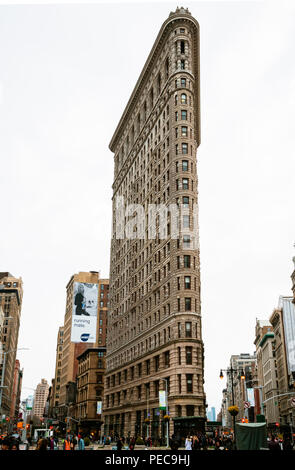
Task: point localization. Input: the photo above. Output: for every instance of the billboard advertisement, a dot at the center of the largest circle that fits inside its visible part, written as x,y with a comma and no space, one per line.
99,408
29,403
84,313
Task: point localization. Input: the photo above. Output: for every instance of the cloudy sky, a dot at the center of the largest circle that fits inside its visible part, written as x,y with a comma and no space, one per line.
66,74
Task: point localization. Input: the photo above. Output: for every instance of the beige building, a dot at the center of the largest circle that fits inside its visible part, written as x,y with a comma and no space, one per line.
68,352
154,330
283,322
239,383
267,371
11,293
40,398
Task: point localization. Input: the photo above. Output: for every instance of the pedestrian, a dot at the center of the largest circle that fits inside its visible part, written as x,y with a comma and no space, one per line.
274,444
196,444
5,444
132,443
81,444
188,443
73,442
51,443
119,444
174,442
42,444
67,443
14,445
287,444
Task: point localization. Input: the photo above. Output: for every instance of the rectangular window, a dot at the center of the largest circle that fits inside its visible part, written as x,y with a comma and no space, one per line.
184,164
188,329
182,64
183,115
176,115
157,362
188,304
186,241
184,183
183,82
187,282
179,383
178,305
167,359
176,132
189,355
189,383
187,261
184,131
185,202
179,356
184,149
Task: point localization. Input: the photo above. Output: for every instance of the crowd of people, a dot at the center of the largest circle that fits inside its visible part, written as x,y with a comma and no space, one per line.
10,442
70,442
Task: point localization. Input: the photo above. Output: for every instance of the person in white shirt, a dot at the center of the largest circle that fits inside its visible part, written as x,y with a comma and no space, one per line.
188,443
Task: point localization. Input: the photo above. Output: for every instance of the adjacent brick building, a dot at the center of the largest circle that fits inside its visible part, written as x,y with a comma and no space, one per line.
90,385
67,353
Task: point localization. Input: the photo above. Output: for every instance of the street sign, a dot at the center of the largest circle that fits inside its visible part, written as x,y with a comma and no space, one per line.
247,404
292,401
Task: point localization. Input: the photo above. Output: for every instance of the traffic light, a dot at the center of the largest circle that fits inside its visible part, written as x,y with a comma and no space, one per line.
277,425
243,420
246,420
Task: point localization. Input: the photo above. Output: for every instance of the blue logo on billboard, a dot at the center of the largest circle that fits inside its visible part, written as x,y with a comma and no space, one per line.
85,336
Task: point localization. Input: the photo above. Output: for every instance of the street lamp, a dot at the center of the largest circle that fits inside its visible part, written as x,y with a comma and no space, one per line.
230,371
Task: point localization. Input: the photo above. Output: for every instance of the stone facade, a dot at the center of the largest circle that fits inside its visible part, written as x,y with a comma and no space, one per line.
40,398
154,330
266,370
90,383
11,293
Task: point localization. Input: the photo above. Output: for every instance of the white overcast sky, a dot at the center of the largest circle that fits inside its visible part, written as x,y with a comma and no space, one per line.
66,74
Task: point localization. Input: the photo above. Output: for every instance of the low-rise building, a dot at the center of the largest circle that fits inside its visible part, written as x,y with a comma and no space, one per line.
90,386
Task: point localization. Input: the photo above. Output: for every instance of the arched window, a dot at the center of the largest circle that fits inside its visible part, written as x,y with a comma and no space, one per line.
183,98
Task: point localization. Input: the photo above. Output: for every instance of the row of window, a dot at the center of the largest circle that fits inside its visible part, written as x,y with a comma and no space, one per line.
114,399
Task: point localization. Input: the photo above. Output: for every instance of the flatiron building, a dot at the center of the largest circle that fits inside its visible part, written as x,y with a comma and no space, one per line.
154,327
